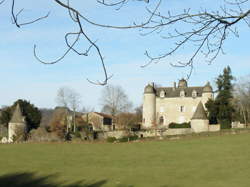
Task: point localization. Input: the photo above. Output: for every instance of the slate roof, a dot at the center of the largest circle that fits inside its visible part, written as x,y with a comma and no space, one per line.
200,112
17,116
103,115
175,92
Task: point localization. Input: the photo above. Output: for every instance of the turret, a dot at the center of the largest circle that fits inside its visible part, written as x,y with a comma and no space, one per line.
207,93
199,121
17,125
149,107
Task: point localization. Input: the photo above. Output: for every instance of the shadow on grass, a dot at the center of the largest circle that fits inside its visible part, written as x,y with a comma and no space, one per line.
31,180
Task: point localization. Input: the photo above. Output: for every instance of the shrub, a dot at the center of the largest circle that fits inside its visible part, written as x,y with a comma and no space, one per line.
41,135
111,139
77,134
225,124
179,125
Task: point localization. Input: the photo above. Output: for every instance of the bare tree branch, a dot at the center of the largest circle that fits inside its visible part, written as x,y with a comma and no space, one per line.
204,30
208,31
15,16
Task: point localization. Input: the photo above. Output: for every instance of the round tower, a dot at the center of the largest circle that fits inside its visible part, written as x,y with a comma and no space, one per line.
207,93
149,107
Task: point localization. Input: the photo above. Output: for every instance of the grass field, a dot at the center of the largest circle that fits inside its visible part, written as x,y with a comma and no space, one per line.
219,161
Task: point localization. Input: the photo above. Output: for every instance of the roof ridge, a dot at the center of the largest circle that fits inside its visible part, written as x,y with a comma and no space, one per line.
200,112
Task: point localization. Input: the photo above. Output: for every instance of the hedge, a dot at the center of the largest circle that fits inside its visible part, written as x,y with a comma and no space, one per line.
179,125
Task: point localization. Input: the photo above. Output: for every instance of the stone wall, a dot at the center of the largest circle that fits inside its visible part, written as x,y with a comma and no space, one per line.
238,125
168,132
213,128
170,109
178,131
200,125
16,130
117,134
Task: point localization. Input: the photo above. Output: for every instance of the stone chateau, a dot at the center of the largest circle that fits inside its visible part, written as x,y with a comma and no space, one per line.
178,104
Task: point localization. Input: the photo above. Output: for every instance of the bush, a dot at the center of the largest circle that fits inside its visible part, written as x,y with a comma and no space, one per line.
77,134
111,139
179,125
225,124
128,138
41,135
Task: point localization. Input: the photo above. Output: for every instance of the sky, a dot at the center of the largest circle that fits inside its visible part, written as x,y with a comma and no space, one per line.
23,77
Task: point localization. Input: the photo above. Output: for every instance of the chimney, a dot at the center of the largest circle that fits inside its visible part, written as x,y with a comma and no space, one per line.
174,86
153,84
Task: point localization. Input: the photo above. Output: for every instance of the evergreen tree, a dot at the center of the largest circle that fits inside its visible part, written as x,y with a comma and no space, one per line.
224,98
221,109
212,111
32,114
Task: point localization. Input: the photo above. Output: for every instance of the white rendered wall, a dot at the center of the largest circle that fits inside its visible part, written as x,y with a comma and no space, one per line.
149,107
198,125
15,128
169,108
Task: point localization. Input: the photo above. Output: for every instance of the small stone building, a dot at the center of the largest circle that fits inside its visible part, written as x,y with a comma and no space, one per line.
99,121
17,128
178,104
199,121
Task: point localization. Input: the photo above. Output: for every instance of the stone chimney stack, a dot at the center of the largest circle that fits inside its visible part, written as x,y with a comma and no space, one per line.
174,86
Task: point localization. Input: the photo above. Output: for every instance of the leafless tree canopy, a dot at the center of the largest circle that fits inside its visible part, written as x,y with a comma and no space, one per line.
205,30
242,98
68,97
114,100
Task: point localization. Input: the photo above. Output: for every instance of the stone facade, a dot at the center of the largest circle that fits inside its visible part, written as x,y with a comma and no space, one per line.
99,121
164,105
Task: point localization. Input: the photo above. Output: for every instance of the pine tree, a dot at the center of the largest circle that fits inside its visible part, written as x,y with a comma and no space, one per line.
212,111
32,114
224,98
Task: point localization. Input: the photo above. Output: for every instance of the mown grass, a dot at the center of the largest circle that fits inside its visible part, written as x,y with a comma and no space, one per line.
217,161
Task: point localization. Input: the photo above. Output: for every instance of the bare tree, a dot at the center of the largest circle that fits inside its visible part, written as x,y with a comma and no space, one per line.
68,97
242,98
205,30
114,100
87,109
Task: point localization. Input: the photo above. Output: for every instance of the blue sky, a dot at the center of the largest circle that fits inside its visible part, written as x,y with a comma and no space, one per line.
23,77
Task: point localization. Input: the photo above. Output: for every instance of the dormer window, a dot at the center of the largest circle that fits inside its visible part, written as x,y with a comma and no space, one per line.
162,94
194,94
182,93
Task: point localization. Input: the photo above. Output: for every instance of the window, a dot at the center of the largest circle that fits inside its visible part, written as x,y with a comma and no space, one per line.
161,120
161,109
182,93
194,94
162,94
107,121
182,109
194,108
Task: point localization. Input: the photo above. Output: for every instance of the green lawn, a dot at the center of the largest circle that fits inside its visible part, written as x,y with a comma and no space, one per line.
222,161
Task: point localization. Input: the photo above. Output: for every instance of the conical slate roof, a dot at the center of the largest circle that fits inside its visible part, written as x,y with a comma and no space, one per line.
17,116
200,112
